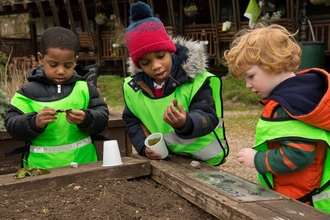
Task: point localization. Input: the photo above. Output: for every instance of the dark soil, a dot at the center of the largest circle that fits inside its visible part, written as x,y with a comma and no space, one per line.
141,198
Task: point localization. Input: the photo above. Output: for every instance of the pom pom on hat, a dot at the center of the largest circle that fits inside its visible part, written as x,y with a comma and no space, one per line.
146,33
140,11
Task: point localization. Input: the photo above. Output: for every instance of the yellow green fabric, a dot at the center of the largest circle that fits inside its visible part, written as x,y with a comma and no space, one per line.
60,132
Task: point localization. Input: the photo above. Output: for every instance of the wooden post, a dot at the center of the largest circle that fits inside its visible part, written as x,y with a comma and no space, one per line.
34,41
182,19
116,9
54,11
214,19
42,14
171,13
238,16
303,32
85,18
150,3
69,12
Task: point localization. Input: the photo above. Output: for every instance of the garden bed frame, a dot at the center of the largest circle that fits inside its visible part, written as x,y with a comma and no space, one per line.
174,172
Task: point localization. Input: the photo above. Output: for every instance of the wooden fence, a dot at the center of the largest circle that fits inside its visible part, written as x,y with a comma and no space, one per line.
111,49
16,47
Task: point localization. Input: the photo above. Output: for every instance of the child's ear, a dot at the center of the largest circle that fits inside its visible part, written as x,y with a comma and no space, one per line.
40,58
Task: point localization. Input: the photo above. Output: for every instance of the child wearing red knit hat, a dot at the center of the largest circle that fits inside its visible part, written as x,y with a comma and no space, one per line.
163,69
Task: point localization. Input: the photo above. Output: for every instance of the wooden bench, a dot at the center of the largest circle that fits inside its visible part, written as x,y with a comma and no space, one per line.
85,41
88,47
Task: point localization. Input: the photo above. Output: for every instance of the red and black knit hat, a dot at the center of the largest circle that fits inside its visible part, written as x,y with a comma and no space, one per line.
146,33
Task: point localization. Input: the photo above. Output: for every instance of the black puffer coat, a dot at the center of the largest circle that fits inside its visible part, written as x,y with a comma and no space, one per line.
191,60
22,126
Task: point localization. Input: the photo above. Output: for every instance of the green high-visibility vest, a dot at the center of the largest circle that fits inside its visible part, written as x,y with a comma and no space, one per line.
211,148
274,130
61,143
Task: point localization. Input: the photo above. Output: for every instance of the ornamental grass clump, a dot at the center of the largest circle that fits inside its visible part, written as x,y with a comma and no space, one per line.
13,75
3,109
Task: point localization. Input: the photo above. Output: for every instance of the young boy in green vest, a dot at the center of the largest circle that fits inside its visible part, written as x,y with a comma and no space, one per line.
164,69
291,152
57,110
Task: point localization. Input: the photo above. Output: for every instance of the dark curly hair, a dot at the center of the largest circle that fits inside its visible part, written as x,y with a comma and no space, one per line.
59,38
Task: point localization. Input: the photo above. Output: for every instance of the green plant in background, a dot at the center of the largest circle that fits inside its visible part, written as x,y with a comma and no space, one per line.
236,91
190,10
3,59
111,89
268,20
101,15
14,75
31,20
3,109
192,7
117,35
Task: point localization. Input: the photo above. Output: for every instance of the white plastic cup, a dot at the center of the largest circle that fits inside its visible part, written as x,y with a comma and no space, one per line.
111,154
160,147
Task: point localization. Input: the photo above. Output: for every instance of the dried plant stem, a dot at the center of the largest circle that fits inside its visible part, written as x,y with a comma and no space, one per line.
15,74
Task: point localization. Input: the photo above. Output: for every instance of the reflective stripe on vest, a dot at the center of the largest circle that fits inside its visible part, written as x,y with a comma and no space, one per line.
77,99
268,131
321,201
321,196
150,112
59,133
55,149
207,152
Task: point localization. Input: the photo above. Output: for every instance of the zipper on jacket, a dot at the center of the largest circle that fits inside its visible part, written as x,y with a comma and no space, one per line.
58,88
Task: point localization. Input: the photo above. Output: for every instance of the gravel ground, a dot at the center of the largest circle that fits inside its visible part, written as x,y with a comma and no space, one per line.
238,139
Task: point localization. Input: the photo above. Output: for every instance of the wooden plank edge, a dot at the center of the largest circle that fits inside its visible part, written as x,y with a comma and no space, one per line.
174,172
58,177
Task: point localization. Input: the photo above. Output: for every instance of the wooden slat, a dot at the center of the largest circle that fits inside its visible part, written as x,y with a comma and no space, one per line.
204,34
173,172
54,11
42,14
70,16
87,26
59,177
110,52
84,39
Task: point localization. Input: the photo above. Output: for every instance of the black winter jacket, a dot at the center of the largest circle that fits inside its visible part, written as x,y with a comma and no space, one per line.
22,126
190,60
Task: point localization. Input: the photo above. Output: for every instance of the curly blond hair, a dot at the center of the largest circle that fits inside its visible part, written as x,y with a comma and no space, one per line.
273,48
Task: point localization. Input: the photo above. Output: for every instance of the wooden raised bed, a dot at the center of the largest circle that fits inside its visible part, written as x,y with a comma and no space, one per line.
59,177
175,173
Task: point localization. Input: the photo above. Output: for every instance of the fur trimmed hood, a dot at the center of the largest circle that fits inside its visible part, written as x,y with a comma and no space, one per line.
195,63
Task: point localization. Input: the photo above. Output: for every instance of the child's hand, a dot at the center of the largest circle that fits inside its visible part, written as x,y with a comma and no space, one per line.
151,154
45,116
75,116
175,118
245,156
